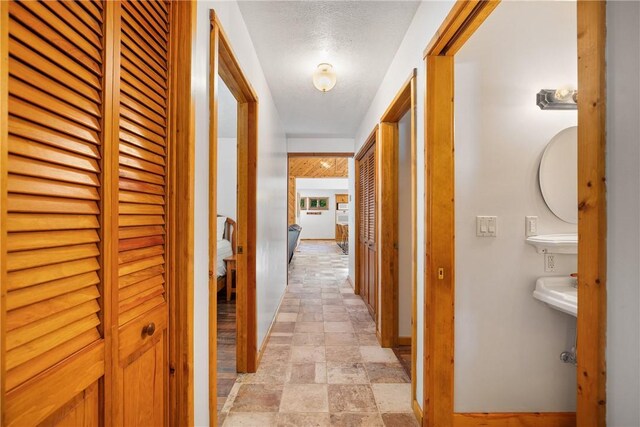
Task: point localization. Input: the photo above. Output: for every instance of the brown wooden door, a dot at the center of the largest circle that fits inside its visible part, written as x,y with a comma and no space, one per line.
367,264
85,319
142,303
54,354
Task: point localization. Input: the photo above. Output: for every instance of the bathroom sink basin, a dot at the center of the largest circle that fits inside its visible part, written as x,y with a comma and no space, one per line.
560,293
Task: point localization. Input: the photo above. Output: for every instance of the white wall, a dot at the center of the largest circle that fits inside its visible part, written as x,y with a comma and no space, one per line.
623,199
409,56
507,344
272,190
320,145
227,177
405,260
321,226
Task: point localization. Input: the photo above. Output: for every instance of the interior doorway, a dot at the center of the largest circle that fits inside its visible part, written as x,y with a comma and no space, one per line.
238,268
318,199
440,284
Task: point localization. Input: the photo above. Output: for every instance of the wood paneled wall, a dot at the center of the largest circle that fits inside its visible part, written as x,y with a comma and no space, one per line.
312,167
318,167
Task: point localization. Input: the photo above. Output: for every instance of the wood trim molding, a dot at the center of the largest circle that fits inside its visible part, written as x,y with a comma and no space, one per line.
371,139
439,240
180,215
515,419
464,18
402,102
417,411
462,21
592,214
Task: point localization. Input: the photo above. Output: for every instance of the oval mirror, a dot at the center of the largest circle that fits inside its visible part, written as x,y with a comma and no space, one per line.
558,175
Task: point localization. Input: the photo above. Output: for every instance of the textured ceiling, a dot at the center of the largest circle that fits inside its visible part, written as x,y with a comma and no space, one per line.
359,38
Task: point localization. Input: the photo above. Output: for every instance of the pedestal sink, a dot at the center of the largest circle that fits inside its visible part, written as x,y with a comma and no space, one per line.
560,293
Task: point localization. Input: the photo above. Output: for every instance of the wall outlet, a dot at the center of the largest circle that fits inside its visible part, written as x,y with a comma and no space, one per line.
531,226
549,263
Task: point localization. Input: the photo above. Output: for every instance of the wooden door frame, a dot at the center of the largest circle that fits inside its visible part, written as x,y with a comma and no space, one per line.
465,17
180,215
371,141
224,63
404,102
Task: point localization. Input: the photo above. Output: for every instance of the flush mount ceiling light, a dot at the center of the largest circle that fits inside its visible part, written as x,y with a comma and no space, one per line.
324,78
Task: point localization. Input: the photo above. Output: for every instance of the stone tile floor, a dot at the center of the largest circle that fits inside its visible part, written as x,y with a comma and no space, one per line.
323,365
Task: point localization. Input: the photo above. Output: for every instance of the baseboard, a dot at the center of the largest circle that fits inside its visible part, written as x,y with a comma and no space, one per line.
417,411
404,340
515,419
350,282
263,346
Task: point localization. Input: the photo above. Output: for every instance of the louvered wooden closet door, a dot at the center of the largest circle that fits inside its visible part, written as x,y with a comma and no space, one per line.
142,316
367,250
54,347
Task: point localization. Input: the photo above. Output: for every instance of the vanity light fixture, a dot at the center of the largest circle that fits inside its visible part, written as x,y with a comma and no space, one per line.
324,78
564,98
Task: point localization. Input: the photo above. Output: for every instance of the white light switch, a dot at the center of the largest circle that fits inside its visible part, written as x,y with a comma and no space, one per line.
486,226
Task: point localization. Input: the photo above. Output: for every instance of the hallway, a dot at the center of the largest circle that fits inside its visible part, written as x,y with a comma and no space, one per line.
323,364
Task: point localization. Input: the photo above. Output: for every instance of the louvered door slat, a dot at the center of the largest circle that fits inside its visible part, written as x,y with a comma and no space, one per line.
84,67
143,133
57,73
19,318
49,239
54,192
89,17
46,291
32,14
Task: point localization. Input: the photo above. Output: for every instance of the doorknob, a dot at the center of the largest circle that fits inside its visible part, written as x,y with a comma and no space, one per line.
149,329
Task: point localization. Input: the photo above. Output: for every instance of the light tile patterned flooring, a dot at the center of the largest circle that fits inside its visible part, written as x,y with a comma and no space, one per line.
323,365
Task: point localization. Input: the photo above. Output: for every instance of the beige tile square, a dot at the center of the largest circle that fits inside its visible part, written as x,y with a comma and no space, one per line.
310,317
305,354
316,327
304,398
377,354
287,317
307,339
354,419
338,327
337,317
257,398
343,353
303,420
351,398
340,338
250,419
346,373
307,373
393,397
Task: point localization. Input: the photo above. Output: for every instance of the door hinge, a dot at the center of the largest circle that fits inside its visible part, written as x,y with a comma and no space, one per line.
240,250
440,273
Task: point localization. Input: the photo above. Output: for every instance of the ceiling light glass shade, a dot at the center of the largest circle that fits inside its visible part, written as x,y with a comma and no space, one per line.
324,78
